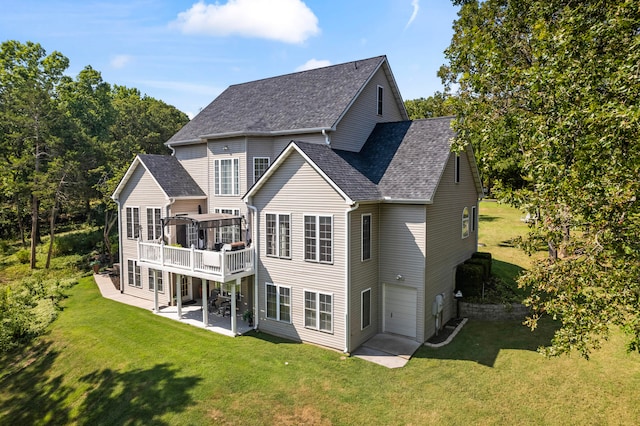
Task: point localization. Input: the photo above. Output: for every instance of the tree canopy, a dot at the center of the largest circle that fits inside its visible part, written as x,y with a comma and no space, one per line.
551,89
64,141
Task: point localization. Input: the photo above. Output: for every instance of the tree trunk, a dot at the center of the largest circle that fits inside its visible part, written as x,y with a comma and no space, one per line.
34,229
52,224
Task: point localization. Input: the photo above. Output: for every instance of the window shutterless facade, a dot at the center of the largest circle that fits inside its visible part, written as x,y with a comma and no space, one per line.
380,100
365,319
133,273
465,222
318,238
278,302
456,169
474,218
133,222
226,179
154,226
278,235
318,311
366,237
155,279
260,165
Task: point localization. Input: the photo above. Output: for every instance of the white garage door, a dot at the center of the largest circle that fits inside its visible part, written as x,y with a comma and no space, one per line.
400,305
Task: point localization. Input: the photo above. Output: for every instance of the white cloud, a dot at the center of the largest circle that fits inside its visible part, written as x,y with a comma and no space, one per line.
289,21
416,7
314,63
119,61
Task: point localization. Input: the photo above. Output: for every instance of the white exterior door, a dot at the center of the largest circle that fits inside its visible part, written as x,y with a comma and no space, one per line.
400,304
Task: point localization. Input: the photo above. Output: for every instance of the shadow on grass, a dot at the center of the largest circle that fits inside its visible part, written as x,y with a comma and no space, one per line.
28,394
482,341
269,338
139,396
487,218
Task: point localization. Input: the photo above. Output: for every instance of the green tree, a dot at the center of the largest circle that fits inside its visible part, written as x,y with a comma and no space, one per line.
438,105
28,109
553,88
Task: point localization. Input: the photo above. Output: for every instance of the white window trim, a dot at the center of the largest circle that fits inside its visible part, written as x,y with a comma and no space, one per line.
379,100
304,300
136,283
266,310
278,253
362,326
465,223
362,259
131,224
317,250
255,179
154,208
156,273
235,177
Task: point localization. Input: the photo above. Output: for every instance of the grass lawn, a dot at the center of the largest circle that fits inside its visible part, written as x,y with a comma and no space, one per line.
107,363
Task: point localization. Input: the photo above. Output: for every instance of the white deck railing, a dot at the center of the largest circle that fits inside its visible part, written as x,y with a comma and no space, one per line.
221,265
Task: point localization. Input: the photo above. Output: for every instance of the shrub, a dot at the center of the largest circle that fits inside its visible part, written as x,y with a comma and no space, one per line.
484,256
484,263
78,242
469,279
23,256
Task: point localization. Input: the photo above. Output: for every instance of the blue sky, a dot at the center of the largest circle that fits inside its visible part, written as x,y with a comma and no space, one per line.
187,52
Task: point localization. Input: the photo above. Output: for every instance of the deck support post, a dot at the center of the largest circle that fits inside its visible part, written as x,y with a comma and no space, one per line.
179,295
155,291
205,303
234,318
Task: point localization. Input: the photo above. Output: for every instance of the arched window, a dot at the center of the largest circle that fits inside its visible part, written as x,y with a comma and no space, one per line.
465,222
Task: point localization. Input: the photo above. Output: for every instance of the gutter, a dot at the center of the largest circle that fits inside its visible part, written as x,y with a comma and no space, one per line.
240,133
347,276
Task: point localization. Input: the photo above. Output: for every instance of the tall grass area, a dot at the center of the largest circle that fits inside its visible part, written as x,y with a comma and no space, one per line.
30,299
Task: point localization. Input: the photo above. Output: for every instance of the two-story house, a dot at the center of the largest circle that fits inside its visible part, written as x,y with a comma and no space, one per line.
310,200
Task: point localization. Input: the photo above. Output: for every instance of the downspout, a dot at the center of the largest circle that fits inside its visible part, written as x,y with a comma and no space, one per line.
120,250
327,140
256,251
347,276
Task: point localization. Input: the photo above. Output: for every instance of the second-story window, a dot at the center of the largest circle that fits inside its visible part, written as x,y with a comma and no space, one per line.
260,165
133,222
154,227
226,176
318,239
380,99
278,235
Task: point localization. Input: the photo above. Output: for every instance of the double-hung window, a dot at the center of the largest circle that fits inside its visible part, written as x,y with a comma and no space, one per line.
226,176
154,227
278,229
260,165
366,236
318,311
155,279
133,222
133,273
278,303
318,238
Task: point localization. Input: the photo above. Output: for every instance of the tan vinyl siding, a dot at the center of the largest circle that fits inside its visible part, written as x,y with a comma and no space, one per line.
402,252
141,191
356,125
297,189
364,275
281,142
194,159
445,244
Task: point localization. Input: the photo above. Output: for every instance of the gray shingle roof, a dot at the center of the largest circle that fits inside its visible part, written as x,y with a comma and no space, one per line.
310,99
172,177
353,183
404,159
